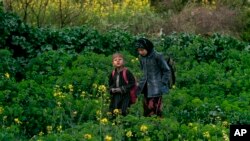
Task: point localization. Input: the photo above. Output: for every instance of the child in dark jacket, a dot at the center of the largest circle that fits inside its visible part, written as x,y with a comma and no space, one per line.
119,89
154,82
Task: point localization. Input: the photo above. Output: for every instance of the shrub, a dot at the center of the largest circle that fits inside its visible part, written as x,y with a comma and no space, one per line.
205,20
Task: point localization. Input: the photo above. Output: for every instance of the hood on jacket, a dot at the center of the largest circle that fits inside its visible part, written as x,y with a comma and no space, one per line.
145,44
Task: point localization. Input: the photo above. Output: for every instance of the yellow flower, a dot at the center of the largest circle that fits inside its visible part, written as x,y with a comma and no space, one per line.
5,118
58,93
41,133
225,124
195,128
109,113
49,129
98,112
87,136
206,134
17,121
116,111
59,103
94,85
108,138
129,134
83,94
7,75
71,88
1,110
143,128
134,60
104,120
225,136
102,89
218,118
59,128
75,113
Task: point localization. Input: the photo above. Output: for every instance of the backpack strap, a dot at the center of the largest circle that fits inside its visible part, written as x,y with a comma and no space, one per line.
113,73
124,75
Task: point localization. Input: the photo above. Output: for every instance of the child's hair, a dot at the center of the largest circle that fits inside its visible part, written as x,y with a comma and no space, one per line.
117,55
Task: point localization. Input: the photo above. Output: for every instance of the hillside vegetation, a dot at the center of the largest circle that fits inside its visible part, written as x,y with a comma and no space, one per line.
228,17
53,85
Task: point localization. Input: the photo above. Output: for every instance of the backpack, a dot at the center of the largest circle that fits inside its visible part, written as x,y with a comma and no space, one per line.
172,78
171,64
133,90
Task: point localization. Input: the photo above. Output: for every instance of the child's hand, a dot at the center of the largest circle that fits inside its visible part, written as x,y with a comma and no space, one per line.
116,90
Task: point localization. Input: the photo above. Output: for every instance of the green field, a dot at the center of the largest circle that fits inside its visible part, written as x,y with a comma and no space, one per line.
53,84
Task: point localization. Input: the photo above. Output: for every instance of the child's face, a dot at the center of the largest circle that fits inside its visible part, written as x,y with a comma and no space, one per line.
118,62
142,51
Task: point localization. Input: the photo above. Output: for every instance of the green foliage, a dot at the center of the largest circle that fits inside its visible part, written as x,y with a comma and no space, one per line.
8,64
117,40
201,48
85,71
211,68
8,24
63,93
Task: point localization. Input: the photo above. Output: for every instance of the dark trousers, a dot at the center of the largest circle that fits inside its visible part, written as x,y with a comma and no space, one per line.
119,101
152,105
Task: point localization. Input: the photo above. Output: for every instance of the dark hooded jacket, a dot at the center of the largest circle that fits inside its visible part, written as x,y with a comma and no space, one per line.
155,70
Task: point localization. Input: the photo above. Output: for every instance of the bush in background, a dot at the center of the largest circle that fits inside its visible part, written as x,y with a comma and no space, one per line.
63,92
138,16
